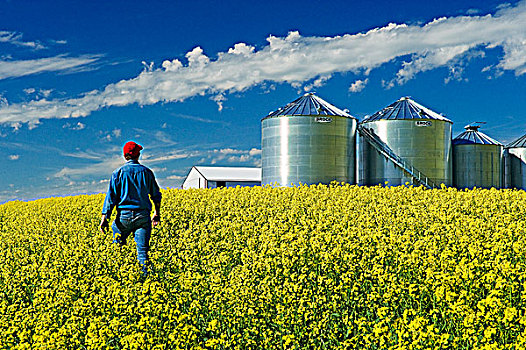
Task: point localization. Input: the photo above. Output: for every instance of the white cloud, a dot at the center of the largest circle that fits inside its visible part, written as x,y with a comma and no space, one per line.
163,137
45,92
172,66
239,159
453,57
254,152
226,151
515,55
148,67
76,127
14,157
317,83
16,147
174,155
110,135
175,177
86,155
429,60
200,119
295,60
20,68
79,126
358,85
487,68
101,169
241,49
219,99
75,187
196,58
15,38
39,93
232,155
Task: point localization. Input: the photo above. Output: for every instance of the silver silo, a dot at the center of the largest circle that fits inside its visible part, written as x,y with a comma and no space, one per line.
405,143
515,164
308,141
477,160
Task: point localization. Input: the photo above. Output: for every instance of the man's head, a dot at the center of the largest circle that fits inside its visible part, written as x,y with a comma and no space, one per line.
131,150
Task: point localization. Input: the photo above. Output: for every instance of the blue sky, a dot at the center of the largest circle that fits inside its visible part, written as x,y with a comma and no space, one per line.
190,81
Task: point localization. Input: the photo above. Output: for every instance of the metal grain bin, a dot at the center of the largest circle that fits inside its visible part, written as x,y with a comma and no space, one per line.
515,164
405,143
308,141
477,160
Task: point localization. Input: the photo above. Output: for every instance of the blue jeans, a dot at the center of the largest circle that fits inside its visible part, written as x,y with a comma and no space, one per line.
138,222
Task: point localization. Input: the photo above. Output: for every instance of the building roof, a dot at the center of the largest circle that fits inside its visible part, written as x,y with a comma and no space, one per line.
471,136
518,143
238,174
307,105
405,108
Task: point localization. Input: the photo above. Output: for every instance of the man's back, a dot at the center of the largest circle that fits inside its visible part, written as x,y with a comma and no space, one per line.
132,185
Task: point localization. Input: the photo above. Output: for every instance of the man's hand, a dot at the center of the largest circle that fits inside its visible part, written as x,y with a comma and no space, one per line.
156,219
103,224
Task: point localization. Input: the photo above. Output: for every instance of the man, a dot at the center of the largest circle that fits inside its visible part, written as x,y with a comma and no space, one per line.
131,187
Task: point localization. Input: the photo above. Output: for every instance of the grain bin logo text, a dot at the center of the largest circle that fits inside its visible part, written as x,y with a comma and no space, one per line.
423,123
323,119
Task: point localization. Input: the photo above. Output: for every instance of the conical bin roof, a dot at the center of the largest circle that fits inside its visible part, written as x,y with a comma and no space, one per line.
519,143
307,105
471,136
405,108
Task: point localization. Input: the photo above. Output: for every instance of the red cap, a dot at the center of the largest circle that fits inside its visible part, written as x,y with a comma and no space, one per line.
132,148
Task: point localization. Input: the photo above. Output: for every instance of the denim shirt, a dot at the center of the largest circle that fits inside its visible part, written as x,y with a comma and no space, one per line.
131,187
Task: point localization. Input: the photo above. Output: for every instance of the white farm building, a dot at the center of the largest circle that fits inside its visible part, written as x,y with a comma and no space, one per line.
212,177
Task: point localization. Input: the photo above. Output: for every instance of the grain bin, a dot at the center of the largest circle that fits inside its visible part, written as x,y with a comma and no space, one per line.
308,141
477,160
515,164
405,142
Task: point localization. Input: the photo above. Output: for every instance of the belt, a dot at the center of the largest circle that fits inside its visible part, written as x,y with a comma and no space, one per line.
133,210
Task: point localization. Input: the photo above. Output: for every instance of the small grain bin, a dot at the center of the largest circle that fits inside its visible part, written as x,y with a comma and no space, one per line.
515,164
477,160
308,141
405,142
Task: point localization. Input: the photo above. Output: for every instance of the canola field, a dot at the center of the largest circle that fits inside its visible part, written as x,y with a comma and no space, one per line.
338,267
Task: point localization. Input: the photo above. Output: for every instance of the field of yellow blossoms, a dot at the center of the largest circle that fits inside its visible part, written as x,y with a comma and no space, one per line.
338,267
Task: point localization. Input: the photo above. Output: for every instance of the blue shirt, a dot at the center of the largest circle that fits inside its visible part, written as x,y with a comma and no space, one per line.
131,187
